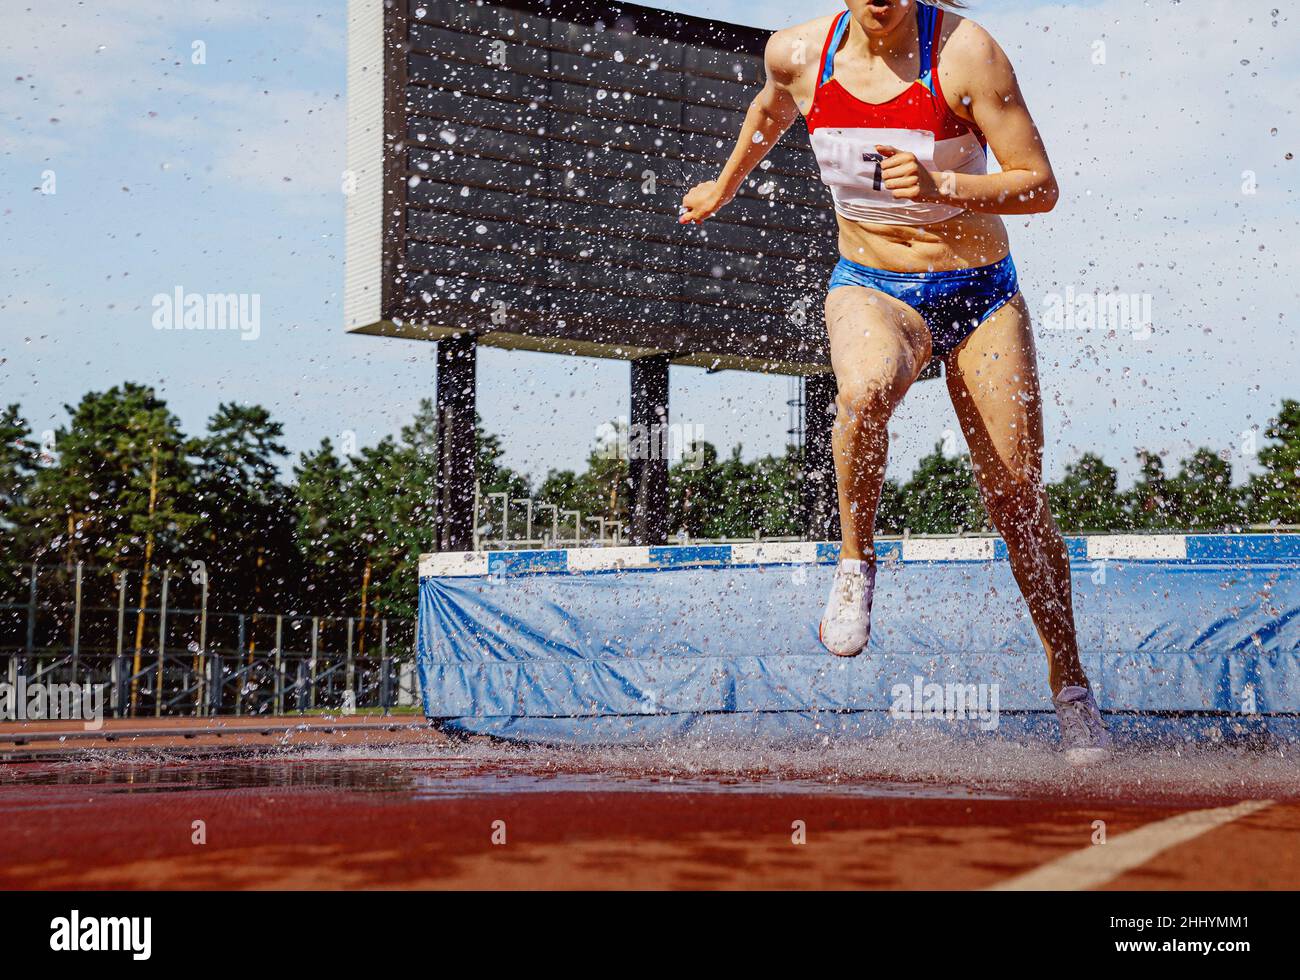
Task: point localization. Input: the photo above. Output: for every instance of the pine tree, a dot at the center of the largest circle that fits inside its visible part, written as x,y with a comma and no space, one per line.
1274,496
603,489
1148,504
495,477
941,496
891,512
695,491
776,488
1087,498
323,526
1202,497
246,537
120,448
17,472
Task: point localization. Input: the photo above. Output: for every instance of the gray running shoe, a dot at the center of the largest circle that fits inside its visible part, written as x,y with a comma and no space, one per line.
1083,734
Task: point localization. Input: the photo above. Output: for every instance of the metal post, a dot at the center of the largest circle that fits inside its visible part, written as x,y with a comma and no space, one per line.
528,520
457,361
818,501
121,609
240,676
29,649
200,700
279,666
505,515
577,526
76,624
300,685
115,687
215,685
351,663
384,667
162,644
478,492
648,458
555,524
315,646
119,663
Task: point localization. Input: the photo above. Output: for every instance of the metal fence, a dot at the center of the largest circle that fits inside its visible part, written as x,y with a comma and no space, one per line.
173,655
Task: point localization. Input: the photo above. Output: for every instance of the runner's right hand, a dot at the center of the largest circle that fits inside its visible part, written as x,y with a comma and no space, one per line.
701,201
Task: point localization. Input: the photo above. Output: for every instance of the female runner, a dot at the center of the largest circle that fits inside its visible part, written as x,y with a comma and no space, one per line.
900,107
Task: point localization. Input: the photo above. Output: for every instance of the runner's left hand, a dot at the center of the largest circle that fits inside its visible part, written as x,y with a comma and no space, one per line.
904,176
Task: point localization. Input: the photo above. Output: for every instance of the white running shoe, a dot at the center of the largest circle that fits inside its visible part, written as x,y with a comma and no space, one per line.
846,624
1083,733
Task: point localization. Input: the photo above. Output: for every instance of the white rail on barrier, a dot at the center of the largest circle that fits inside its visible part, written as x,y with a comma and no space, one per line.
1094,548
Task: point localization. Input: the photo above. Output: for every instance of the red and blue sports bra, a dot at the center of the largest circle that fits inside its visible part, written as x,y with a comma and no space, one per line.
844,131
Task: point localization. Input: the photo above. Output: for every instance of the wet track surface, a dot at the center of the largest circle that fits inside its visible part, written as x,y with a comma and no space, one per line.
434,814
918,767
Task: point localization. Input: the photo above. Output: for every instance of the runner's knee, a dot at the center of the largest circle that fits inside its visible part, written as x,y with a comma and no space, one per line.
1019,510
868,398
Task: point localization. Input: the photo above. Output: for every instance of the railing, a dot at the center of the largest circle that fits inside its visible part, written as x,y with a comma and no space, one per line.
171,659
224,682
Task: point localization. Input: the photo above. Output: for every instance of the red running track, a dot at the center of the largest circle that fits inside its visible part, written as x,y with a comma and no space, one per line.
419,812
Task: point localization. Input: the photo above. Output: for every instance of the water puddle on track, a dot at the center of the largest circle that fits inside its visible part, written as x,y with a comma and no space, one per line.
933,767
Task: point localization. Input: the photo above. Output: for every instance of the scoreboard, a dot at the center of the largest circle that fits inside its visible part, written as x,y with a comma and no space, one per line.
514,174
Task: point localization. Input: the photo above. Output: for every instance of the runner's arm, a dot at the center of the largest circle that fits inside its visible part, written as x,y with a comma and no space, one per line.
770,114
979,77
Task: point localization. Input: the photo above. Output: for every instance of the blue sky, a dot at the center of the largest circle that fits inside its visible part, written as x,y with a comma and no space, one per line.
224,177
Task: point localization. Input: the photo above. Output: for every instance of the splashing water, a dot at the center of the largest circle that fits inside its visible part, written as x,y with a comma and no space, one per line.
922,765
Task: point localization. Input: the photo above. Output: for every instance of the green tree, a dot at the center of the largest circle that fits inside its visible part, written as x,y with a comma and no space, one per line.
323,526
364,521
404,526
495,477
891,512
246,535
776,483
17,472
122,479
419,462
941,497
1148,503
603,489
1087,498
734,506
375,517
1202,497
694,491
1274,495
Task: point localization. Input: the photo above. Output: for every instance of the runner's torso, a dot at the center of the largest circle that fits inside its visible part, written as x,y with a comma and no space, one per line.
846,120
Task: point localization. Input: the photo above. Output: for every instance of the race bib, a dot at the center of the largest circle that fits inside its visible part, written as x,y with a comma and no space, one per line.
849,160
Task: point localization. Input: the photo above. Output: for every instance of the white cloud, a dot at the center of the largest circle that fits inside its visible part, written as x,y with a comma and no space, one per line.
122,69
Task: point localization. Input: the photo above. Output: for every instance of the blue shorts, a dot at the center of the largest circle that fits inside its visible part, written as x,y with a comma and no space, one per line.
951,303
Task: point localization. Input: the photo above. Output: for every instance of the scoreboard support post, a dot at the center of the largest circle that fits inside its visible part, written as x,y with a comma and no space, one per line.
457,449
648,445
819,504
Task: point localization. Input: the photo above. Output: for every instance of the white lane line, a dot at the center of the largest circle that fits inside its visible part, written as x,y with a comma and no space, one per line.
1098,864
